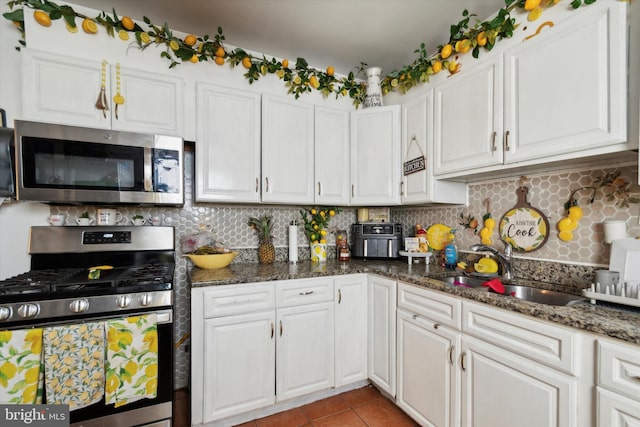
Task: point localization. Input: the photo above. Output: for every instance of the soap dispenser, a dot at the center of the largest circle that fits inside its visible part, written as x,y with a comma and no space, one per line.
451,252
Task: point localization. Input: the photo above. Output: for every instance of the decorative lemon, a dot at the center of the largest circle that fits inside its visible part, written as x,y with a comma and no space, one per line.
285,63
486,233
446,51
190,40
575,213
534,14
246,62
565,236
531,4
436,67
481,38
124,35
567,224
486,266
194,58
463,46
330,70
219,60
71,28
490,223
220,52
128,23
144,38
42,18
89,26
174,45
437,236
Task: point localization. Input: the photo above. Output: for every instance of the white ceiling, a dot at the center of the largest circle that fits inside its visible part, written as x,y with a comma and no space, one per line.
342,33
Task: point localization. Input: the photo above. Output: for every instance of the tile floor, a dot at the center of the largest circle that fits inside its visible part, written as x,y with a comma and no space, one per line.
363,407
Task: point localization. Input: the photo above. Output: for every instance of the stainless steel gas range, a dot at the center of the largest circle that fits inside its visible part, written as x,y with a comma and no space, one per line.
96,274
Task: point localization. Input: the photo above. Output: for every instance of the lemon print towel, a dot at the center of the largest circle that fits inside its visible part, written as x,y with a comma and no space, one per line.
21,370
74,364
132,359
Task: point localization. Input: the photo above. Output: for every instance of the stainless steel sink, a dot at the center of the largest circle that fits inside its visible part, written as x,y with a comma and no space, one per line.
541,296
526,293
464,281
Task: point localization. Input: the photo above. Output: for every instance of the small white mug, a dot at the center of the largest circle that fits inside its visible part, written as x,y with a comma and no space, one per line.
108,216
85,221
607,277
138,221
155,220
56,220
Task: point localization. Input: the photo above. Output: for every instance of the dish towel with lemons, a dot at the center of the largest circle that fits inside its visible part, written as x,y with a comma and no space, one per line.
21,373
132,359
74,364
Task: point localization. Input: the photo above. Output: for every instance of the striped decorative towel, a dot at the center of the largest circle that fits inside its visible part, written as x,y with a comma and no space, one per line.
21,373
74,364
132,359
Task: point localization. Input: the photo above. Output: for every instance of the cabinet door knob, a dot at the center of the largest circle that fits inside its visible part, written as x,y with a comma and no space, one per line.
493,141
462,356
402,188
273,330
353,190
281,328
266,180
506,141
257,184
319,188
436,325
451,350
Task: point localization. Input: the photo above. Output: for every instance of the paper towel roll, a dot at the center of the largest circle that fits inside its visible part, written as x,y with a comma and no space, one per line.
293,243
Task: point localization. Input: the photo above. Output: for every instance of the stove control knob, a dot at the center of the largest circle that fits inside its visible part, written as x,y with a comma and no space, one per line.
123,301
5,313
79,305
28,310
145,299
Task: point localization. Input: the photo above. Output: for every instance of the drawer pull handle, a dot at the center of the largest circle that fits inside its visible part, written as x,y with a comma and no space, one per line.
353,190
451,350
266,179
305,293
319,189
339,296
257,184
493,142
436,325
506,141
281,328
462,356
414,316
273,330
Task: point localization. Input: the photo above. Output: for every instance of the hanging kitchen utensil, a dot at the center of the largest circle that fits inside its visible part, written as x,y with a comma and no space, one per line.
118,99
524,227
102,103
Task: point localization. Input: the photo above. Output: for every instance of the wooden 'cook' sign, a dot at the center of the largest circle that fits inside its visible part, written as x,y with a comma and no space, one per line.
524,227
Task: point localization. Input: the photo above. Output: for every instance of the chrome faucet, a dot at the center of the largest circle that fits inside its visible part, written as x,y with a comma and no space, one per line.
504,259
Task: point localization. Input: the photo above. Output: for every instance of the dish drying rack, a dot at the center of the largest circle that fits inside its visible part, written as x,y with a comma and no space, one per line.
621,293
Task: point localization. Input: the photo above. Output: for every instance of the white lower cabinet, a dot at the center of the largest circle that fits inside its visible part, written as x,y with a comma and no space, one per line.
382,333
351,329
463,363
304,354
239,367
618,390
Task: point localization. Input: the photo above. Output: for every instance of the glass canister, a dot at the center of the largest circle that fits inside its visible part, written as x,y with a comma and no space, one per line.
342,246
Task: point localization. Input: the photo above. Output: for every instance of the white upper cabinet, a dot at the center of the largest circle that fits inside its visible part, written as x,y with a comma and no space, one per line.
554,98
287,150
583,107
417,142
468,119
65,90
375,156
331,156
228,145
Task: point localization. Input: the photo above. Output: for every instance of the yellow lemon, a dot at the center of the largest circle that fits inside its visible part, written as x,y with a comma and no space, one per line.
280,74
490,223
565,236
89,26
437,236
575,213
486,265
42,18
112,383
219,60
485,241
394,83
481,38
8,370
190,40
531,4
534,14
144,38
446,51
285,63
330,70
485,233
313,81
220,52
151,370
29,394
128,23
332,212
566,224
151,386
297,80
463,46
71,28
246,62
124,35
174,45
436,67
461,265
194,58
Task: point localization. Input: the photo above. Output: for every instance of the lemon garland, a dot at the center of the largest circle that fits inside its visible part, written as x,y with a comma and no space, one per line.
301,78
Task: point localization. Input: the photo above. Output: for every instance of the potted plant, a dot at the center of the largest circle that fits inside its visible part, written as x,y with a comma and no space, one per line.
263,226
316,224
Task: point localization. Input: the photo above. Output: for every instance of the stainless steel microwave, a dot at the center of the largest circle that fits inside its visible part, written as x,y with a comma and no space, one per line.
75,165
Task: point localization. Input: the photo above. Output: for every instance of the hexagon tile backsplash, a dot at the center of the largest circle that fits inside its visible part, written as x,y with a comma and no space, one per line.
547,192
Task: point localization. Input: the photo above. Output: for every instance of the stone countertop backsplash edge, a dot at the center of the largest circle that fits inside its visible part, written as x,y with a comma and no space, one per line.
592,318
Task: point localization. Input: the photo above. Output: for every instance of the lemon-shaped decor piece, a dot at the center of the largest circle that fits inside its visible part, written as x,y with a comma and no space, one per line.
437,236
486,265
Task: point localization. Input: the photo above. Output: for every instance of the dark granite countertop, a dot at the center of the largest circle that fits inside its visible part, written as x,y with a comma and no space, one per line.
615,323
